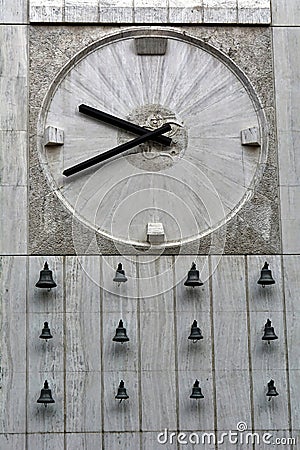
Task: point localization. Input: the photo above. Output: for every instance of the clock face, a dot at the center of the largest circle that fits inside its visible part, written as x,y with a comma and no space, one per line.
164,194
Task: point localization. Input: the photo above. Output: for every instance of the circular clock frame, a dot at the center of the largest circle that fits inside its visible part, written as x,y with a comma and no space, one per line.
257,155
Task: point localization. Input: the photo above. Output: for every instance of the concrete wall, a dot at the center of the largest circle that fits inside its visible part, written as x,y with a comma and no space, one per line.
159,364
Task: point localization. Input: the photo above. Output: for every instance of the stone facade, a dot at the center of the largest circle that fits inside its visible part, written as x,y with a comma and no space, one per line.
159,364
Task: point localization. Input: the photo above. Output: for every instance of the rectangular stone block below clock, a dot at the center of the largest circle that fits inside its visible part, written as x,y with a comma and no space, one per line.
155,233
250,136
54,136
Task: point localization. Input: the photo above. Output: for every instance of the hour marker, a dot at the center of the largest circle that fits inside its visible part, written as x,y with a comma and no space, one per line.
155,233
151,46
54,136
250,136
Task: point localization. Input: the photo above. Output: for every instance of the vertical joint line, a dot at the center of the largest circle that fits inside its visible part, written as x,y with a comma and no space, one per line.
101,346
138,331
175,343
286,344
249,345
213,347
64,289
27,400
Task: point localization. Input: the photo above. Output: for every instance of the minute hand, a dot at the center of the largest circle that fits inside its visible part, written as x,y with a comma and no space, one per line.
117,150
121,123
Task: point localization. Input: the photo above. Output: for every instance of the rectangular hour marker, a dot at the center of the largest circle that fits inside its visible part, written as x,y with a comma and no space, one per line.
155,233
250,136
151,45
54,136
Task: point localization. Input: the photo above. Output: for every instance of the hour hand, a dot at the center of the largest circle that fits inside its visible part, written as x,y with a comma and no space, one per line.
121,123
151,135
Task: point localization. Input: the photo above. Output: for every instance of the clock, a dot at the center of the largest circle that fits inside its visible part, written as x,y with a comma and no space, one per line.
191,160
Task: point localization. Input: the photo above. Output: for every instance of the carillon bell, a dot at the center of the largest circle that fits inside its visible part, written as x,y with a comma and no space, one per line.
266,276
196,391
272,392
46,332
46,396
195,332
120,275
193,277
269,334
121,394
46,280
121,335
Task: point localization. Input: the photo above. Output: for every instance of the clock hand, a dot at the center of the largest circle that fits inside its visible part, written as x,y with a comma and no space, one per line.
121,123
116,150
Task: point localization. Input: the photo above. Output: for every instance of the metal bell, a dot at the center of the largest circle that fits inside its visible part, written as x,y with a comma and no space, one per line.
269,334
195,332
266,276
121,394
193,277
272,392
46,332
121,335
46,281
196,391
120,275
46,396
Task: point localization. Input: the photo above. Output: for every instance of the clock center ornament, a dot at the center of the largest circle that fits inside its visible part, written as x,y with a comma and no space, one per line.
188,128
153,156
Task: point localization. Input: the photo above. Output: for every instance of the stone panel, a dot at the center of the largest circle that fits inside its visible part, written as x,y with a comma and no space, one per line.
13,168
13,11
267,355
13,137
81,11
83,402
84,441
47,441
183,11
118,355
195,414
42,300
255,11
12,441
286,69
193,355
220,11
229,284
150,12
233,394
46,11
294,376
269,298
158,394
119,297
119,441
43,419
291,283
270,415
285,12
194,300
125,415
290,211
